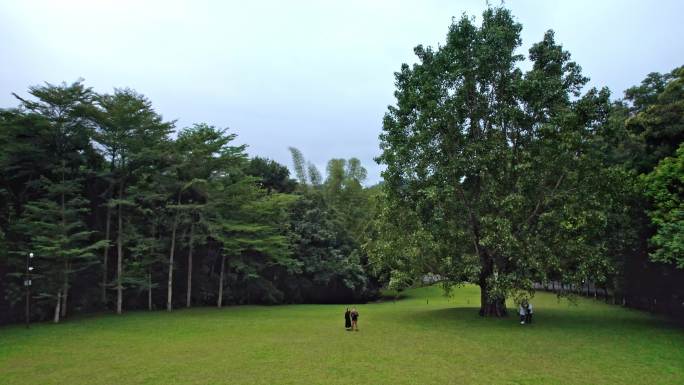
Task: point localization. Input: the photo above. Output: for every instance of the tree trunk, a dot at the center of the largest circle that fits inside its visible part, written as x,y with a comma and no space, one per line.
189,294
119,254
220,296
65,290
65,287
57,307
169,293
489,305
106,255
149,291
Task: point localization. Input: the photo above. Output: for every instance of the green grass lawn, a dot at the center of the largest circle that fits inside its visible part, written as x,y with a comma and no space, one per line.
407,342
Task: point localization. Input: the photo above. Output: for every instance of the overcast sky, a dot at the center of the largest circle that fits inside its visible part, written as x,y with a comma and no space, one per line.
312,74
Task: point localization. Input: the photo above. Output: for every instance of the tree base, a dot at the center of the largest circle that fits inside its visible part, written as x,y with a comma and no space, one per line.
494,308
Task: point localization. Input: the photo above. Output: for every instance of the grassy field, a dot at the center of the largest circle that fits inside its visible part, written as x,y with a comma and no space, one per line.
407,342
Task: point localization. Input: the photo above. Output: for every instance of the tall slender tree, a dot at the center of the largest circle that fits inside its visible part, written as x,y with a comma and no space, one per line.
68,113
129,133
300,167
203,153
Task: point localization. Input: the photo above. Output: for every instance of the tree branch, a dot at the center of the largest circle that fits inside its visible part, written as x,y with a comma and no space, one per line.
539,203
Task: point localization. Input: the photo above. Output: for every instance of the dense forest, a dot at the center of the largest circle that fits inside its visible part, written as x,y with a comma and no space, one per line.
121,211
504,178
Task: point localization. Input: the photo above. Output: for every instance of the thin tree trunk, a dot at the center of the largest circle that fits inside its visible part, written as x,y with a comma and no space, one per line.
106,255
220,296
169,292
108,225
153,234
119,254
57,307
65,290
65,287
149,291
189,294
63,305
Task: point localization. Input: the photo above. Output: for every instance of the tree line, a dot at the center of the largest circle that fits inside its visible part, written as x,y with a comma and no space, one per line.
509,178
123,211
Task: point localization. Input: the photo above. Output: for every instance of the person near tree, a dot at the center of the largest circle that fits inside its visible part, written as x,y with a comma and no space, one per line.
355,319
347,320
522,310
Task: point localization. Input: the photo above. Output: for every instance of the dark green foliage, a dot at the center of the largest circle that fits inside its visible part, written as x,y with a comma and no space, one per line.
272,175
644,129
655,124
665,186
109,202
328,255
330,224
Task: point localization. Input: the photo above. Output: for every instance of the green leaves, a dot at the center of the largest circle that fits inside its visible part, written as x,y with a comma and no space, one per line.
271,175
657,120
299,166
665,187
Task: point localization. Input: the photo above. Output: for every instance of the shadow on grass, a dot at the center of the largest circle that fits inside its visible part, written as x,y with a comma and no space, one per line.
549,319
386,298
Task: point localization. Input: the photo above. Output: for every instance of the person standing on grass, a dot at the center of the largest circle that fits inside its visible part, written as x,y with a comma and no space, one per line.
528,313
522,310
355,319
347,320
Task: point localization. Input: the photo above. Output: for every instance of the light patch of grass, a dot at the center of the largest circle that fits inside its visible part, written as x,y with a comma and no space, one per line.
425,338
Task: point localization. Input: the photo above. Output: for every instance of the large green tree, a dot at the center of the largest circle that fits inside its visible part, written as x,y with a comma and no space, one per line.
497,163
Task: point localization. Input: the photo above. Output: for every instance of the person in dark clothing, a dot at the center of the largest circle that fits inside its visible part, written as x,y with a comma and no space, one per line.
347,320
355,319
